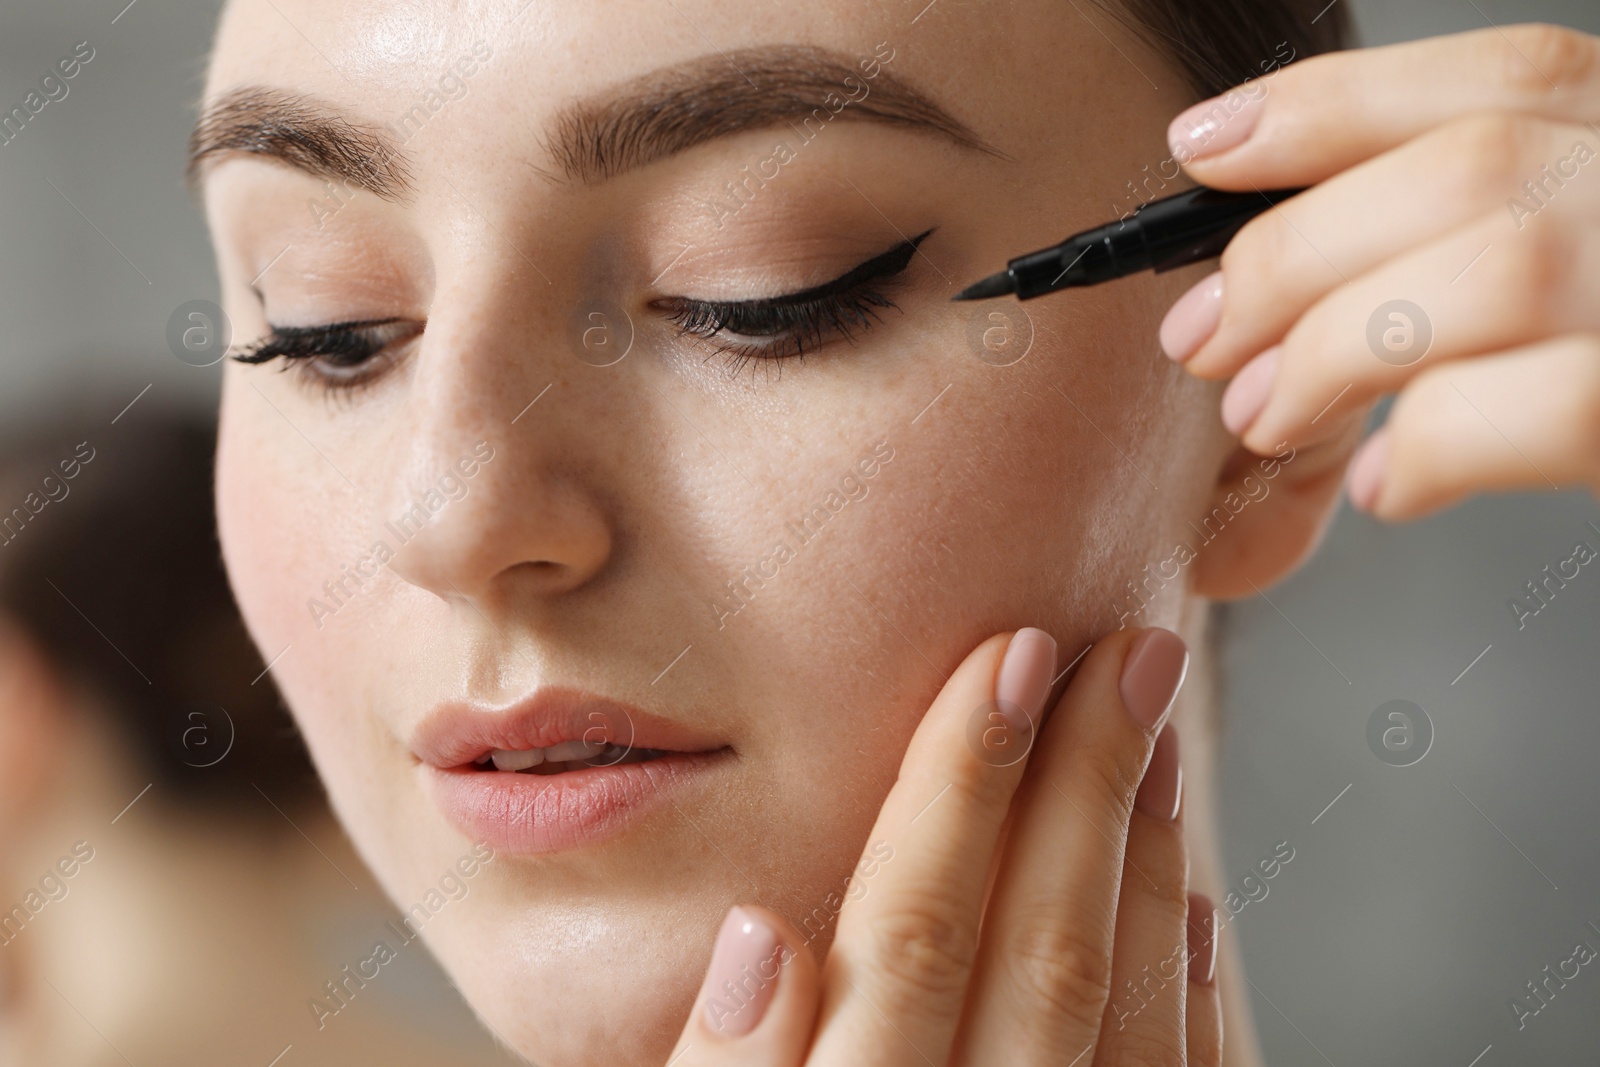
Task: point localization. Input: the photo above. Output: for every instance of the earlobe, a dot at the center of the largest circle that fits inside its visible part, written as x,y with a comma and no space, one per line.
1267,514
32,713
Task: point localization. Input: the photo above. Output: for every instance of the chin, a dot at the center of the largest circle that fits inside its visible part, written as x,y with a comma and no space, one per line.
582,990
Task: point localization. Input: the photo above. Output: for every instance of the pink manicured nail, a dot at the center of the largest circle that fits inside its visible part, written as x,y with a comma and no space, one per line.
1202,939
1193,319
1161,792
1213,126
1025,674
1365,477
1248,392
1152,675
744,974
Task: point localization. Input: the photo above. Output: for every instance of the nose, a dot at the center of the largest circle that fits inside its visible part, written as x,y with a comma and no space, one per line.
492,504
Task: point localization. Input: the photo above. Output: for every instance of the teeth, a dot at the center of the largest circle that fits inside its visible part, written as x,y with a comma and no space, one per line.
510,759
514,760
570,750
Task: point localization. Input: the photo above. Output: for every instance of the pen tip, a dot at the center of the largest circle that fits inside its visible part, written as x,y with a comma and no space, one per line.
994,285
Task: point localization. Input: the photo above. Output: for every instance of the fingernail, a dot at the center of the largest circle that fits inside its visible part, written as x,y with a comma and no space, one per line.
1202,939
1365,477
744,974
1247,393
1025,674
1152,675
1213,126
1162,789
1193,319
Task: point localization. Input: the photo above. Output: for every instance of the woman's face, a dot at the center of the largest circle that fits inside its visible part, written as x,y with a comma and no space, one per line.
755,566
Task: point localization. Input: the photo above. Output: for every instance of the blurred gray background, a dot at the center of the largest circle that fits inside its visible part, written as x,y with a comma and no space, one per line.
1416,905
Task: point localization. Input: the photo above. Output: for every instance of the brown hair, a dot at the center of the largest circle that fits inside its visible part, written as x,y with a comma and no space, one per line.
109,562
1217,44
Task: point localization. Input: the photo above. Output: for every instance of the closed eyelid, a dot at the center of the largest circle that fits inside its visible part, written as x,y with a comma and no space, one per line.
792,324
884,264
893,261
303,342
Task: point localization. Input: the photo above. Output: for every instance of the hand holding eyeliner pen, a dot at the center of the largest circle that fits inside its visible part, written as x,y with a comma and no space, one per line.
1165,234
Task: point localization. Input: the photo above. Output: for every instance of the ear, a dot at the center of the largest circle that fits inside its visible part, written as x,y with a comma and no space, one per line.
1268,513
33,714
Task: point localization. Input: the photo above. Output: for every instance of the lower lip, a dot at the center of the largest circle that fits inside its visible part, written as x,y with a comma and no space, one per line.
535,814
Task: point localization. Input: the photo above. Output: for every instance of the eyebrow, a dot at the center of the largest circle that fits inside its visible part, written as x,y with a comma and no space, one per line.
672,110
301,131
624,127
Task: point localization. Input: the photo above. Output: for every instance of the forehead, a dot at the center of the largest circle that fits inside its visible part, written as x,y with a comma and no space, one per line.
374,49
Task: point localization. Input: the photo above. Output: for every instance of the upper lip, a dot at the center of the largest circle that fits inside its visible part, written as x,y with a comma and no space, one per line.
460,732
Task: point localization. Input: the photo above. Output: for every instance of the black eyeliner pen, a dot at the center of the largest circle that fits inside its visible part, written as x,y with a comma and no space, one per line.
1162,235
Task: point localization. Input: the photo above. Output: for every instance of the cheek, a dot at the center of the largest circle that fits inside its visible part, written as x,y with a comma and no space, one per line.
275,515
1027,496
260,525
1003,506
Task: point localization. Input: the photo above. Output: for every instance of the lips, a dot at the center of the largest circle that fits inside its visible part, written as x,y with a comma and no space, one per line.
549,808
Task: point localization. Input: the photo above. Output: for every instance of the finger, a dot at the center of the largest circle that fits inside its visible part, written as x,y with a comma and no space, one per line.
1289,258
1202,1013
1524,419
1485,288
758,1003
1322,115
1045,962
897,973
1143,1022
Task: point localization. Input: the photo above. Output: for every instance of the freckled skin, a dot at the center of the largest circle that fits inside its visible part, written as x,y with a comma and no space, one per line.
597,543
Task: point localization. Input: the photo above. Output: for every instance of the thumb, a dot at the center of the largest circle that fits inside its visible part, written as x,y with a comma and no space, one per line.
758,1004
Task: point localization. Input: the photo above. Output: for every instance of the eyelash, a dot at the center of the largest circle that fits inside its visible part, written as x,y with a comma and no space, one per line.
800,322
339,357
342,357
